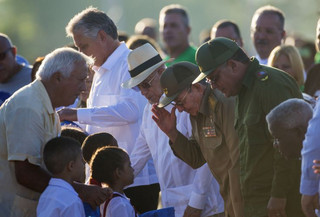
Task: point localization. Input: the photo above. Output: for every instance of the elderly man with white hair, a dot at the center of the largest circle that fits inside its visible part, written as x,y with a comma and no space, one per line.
288,124
27,121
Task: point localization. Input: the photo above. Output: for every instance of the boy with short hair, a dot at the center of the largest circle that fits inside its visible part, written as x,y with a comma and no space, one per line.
63,159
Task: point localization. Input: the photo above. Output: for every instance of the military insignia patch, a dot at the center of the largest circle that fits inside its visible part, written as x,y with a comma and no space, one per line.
262,75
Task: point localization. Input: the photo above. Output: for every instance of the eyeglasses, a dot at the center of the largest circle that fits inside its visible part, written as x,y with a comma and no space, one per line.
181,102
213,77
4,54
147,84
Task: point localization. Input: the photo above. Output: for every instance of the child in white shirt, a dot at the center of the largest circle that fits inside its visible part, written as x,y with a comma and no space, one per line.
63,159
112,166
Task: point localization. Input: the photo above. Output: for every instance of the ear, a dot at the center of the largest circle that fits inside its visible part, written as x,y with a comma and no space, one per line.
70,165
102,35
14,50
283,35
57,76
233,64
117,172
188,30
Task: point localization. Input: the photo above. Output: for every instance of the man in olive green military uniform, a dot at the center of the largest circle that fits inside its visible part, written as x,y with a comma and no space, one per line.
215,140
266,177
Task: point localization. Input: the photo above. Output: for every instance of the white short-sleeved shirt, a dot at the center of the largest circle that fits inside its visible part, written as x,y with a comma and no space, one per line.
120,207
60,200
27,122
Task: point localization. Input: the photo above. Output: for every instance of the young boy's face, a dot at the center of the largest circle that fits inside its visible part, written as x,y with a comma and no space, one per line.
127,172
288,142
79,168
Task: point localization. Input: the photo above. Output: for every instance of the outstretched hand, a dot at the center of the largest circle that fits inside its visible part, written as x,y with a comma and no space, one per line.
68,114
166,121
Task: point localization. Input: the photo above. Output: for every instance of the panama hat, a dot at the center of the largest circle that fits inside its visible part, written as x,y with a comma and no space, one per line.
142,61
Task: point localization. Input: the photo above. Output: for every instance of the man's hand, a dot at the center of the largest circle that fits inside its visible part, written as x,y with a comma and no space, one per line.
309,203
166,121
192,212
276,207
67,114
92,194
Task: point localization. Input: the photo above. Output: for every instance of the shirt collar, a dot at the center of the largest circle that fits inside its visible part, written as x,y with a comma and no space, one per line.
44,96
208,102
111,60
249,75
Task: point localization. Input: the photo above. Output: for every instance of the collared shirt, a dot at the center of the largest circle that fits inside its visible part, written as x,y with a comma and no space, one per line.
311,151
180,184
120,207
262,61
60,199
264,173
215,141
22,78
114,109
27,122
187,55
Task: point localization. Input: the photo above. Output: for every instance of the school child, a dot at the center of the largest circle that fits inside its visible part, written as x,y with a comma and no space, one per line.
111,166
63,159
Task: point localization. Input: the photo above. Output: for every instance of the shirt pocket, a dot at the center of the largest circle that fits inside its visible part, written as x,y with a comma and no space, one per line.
253,128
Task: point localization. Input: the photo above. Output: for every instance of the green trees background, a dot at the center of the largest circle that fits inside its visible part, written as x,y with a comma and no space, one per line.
37,27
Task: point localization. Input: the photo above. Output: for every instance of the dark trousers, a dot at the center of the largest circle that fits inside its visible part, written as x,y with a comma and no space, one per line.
144,198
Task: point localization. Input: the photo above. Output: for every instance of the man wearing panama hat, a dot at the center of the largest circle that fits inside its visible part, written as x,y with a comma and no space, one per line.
214,139
191,192
267,178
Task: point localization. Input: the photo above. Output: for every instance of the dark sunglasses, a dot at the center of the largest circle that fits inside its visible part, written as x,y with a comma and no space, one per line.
4,54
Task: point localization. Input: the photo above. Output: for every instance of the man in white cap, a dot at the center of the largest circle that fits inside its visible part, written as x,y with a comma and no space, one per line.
191,192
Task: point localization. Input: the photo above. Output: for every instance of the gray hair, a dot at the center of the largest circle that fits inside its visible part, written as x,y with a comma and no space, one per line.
290,114
7,38
90,21
62,60
269,9
175,9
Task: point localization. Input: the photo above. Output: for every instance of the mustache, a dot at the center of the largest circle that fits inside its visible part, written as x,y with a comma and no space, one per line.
262,42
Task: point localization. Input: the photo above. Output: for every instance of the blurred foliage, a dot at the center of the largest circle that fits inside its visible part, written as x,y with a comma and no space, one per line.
38,26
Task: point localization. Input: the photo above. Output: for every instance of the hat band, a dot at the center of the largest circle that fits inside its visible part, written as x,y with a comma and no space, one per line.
151,62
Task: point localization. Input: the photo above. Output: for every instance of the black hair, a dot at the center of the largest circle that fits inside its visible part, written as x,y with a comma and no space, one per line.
74,132
105,162
58,152
95,141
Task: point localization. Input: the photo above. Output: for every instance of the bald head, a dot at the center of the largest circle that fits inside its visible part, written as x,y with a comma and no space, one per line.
8,65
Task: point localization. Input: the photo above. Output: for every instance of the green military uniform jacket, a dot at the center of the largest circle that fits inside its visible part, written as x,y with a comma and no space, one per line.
215,142
264,173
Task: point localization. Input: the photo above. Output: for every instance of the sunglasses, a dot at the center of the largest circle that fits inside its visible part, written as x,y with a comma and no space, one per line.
4,53
147,85
181,102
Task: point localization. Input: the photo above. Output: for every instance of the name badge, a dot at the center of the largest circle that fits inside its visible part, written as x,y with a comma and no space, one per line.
209,131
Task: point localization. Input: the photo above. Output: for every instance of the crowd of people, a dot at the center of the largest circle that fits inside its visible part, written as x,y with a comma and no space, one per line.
115,125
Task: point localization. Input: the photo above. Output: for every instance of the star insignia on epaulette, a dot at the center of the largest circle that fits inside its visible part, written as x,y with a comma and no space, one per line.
165,90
